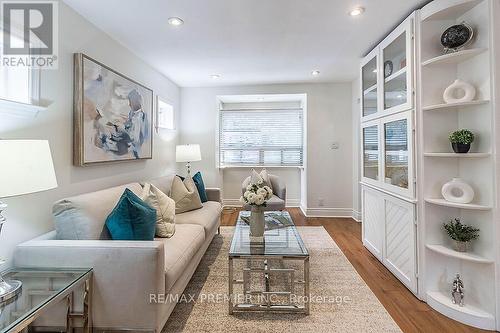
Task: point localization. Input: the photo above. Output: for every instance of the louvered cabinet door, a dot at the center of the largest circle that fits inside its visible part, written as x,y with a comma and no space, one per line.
400,240
373,221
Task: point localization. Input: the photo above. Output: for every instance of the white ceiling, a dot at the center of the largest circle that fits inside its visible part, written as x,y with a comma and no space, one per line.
248,41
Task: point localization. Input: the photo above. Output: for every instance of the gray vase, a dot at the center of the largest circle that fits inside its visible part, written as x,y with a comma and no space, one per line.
461,246
257,224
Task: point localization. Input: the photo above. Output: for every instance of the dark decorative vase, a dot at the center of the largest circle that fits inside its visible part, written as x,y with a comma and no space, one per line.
460,148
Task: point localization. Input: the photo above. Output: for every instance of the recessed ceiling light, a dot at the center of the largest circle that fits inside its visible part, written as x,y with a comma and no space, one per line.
215,76
375,70
315,73
357,11
175,21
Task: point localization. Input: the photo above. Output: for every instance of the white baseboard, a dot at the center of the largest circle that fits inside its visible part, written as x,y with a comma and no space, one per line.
237,203
308,212
329,212
356,215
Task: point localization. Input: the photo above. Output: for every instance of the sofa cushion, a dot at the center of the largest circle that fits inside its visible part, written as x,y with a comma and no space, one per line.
132,219
200,186
165,209
180,249
83,216
207,216
185,195
164,183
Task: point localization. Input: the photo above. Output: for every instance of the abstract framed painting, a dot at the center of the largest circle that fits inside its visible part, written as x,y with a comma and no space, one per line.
113,115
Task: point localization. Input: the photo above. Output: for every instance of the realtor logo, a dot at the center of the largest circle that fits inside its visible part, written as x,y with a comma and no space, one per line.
29,33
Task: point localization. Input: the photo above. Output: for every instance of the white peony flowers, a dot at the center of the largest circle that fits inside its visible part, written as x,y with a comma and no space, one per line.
256,194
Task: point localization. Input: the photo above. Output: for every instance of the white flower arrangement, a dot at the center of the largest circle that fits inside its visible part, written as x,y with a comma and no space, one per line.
257,194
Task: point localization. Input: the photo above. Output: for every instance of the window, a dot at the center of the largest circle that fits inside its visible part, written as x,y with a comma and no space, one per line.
18,84
165,115
271,137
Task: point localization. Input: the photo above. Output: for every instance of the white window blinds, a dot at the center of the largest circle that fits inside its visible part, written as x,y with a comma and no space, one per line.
261,137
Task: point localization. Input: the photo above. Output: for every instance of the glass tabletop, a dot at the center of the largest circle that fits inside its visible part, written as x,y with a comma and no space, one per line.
281,237
39,287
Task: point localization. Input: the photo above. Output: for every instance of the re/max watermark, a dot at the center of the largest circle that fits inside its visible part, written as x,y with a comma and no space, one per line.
241,298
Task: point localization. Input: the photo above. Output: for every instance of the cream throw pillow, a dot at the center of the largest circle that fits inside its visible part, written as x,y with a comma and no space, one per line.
165,210
263,175
185,195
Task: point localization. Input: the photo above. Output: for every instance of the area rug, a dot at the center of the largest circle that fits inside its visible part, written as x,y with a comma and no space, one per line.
343,301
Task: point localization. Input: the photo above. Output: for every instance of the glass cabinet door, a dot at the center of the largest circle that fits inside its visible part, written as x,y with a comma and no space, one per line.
396,153
369,78
371,152
396,68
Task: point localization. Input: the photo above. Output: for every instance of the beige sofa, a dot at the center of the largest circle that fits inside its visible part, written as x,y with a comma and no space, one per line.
126,273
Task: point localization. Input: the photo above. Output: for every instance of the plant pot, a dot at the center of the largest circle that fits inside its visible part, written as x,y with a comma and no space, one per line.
257,224
461,246
460,148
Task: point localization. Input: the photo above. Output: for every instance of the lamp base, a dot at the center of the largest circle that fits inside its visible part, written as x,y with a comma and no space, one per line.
9,289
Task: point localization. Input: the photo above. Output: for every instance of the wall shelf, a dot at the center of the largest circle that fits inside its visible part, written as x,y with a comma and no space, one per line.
443,202
468,314
446,251
455,155
444,106
453,58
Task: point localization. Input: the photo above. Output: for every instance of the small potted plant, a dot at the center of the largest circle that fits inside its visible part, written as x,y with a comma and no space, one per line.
461,234
461,140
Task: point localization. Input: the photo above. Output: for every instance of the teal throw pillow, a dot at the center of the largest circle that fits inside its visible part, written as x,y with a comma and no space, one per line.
132,219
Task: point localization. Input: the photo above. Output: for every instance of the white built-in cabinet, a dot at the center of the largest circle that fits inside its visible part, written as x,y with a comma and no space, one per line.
389,232
387,153
405,157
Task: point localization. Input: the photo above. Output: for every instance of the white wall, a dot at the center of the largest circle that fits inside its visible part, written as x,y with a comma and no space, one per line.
329,172
29,216
356,188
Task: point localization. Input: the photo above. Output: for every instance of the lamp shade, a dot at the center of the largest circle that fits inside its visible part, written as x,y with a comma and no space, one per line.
26,167
188,153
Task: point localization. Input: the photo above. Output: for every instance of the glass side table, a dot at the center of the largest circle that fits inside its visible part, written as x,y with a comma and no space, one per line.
42,288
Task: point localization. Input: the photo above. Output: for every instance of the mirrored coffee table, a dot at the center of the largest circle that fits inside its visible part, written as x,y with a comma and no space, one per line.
43,288
269,276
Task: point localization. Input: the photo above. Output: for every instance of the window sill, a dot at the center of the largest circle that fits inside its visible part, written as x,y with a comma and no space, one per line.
20,109
261,166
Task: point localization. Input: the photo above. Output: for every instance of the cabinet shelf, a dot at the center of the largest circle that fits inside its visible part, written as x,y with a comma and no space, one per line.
370,89
444,106
453,58
468,314
446,251
455,155
443,202
396,75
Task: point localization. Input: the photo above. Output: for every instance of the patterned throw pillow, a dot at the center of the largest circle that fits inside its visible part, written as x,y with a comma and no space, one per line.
165,210
131,219
185,195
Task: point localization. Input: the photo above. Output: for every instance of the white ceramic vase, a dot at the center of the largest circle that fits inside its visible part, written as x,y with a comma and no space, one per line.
257,224
458,191
468,92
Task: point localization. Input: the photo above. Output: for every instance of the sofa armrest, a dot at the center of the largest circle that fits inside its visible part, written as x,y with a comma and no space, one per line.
213,194
279,187
126,273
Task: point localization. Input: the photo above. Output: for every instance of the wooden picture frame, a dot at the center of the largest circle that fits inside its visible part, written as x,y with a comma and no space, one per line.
113,115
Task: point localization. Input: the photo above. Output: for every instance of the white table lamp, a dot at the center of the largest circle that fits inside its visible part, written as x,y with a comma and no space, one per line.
26,168
187,153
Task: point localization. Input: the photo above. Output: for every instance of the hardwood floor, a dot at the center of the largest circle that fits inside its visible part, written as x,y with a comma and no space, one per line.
410,314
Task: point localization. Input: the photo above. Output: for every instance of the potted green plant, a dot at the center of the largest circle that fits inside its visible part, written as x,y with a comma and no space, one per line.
461,140
461,234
